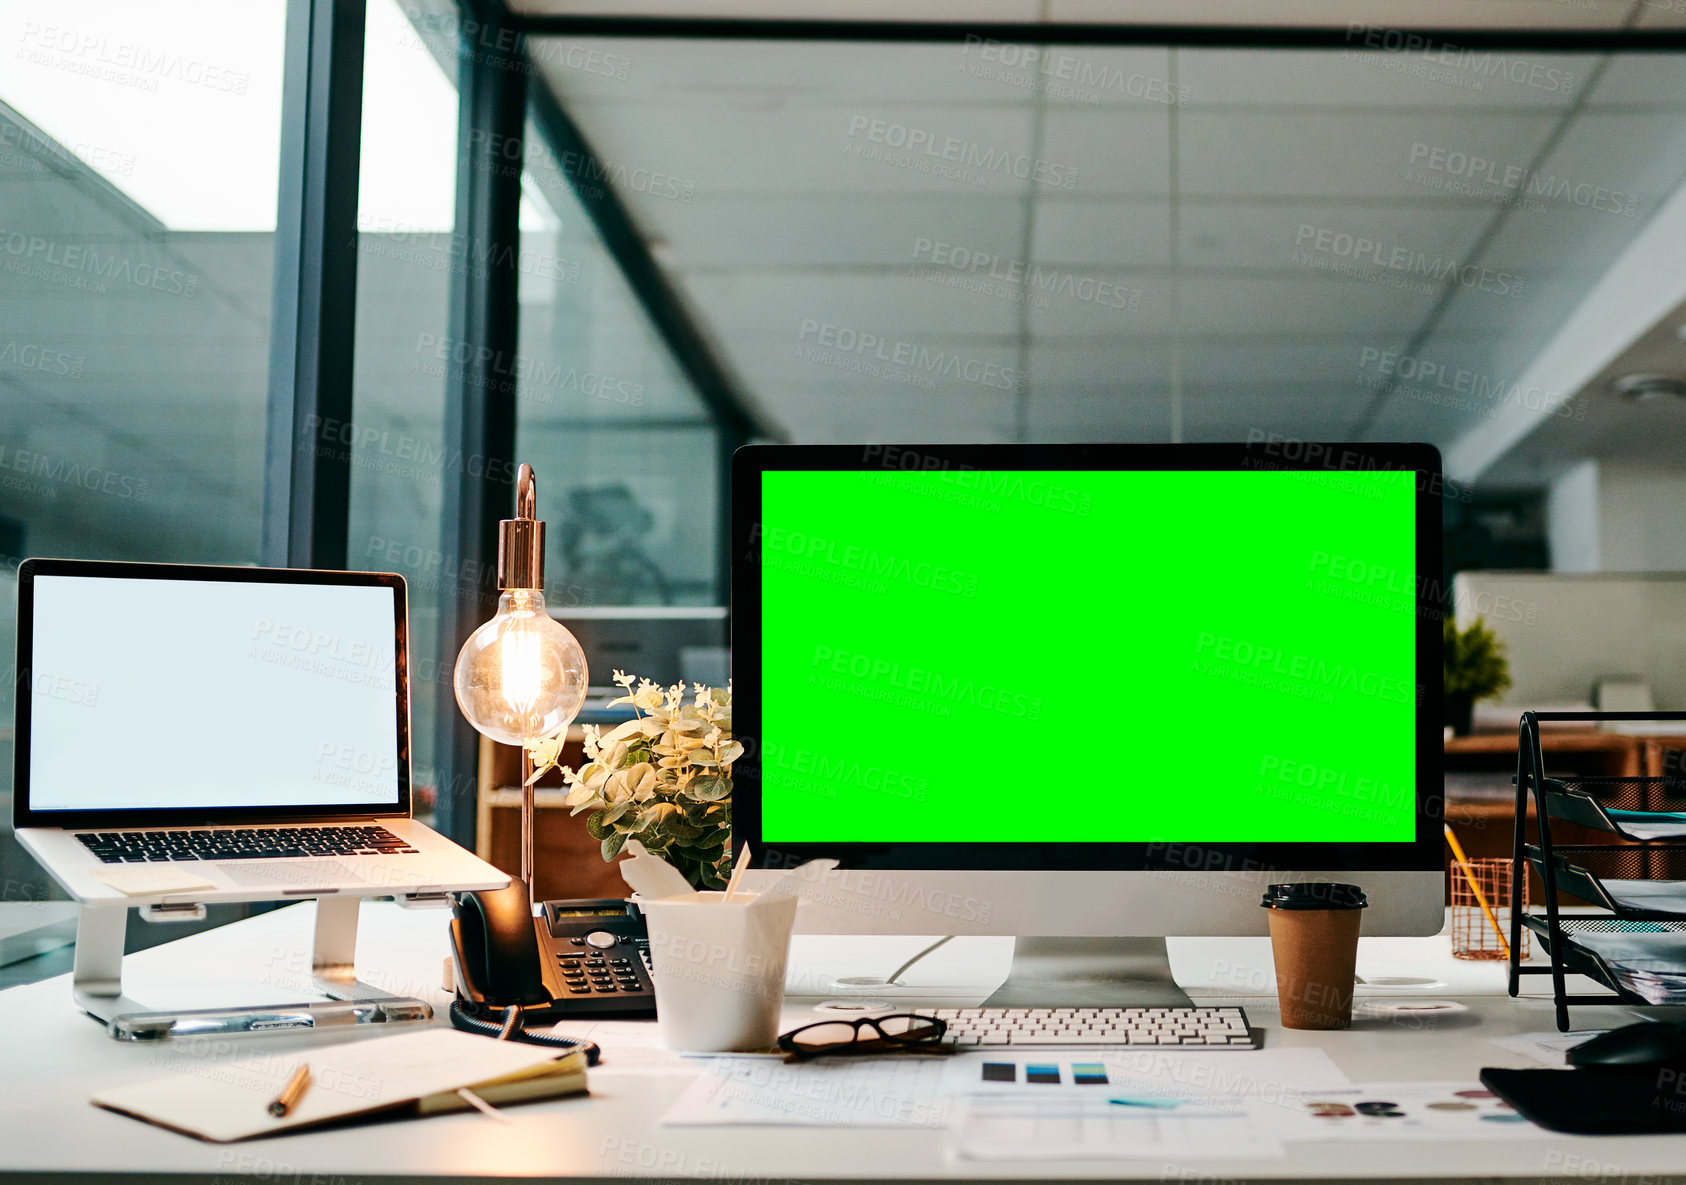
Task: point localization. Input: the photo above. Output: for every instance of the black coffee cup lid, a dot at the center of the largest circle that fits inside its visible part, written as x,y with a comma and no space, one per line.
1314,895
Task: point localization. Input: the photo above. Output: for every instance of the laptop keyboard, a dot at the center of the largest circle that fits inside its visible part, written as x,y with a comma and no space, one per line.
242,843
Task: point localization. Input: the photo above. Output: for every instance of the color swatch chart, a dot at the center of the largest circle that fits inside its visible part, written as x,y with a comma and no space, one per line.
1045,1073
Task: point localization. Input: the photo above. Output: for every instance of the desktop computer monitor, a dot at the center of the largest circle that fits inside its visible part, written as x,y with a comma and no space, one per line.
1074,692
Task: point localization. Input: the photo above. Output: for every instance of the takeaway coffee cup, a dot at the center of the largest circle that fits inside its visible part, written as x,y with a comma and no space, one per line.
1314,940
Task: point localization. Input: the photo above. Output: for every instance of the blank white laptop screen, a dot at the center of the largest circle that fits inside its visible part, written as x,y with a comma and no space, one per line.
163,694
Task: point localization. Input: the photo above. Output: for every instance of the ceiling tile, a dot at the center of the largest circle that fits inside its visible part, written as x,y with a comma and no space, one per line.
1358,154
1110,151
1306,239
1361,75
1644,80
889,307
1101,232
901,230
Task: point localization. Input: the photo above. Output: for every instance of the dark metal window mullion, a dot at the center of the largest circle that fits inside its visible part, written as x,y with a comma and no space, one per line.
479,389
307,474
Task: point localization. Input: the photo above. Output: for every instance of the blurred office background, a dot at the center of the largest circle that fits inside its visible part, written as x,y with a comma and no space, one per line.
716,234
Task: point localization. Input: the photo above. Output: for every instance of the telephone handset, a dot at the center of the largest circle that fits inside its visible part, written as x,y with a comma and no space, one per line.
581,959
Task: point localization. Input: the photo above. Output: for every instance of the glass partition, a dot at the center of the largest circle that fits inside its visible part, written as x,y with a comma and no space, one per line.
139,148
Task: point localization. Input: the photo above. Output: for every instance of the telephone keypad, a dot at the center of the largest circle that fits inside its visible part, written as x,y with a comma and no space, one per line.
597,955
596,969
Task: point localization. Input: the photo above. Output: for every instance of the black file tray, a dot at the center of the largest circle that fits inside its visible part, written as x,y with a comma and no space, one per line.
1585,871
1588,801
1605,875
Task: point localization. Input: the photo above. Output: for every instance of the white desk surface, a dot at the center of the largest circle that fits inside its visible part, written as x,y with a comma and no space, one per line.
52,1057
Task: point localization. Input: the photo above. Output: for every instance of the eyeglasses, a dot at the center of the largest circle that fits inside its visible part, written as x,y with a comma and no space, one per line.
901,1031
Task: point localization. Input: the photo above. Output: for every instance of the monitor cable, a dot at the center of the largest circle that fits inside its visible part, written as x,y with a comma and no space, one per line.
871,983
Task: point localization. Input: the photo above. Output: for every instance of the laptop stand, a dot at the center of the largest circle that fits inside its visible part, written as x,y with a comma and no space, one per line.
97,979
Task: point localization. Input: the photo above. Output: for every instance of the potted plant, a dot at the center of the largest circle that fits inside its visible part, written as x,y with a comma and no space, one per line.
664,777
1473,667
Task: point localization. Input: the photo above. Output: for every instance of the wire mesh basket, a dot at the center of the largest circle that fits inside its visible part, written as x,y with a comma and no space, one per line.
1473,935
1628,794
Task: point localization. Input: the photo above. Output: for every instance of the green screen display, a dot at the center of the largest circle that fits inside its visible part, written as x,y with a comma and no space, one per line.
1105,657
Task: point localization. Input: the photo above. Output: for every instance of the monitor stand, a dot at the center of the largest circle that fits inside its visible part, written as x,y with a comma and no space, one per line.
1089,972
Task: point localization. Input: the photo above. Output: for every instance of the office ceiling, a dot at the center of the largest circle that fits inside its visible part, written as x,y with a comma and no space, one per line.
1447,14
798,224
1606,424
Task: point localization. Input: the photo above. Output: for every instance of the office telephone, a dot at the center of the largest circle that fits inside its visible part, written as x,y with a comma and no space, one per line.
584,959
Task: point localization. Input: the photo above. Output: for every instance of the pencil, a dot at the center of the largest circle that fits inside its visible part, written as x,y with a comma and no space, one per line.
291,1093
1469,876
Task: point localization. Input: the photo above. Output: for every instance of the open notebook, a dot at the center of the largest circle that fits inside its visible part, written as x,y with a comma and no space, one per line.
419,1073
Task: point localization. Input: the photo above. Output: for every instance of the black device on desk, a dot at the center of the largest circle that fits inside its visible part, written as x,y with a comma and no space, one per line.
1629,1081
581,960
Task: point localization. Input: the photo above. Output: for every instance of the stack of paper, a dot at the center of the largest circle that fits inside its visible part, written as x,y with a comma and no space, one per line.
1650,824
1662,896
1648,960
1100,1104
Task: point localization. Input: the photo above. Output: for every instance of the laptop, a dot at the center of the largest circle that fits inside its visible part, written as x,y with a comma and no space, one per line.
245,730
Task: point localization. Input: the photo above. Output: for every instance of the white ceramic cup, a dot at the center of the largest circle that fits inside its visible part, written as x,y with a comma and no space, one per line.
718,969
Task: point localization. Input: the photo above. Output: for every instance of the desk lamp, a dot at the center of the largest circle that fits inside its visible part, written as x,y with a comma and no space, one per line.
521,677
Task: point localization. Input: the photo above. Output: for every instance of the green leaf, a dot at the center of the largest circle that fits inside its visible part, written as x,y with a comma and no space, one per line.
714,838
711,788
612,845
681,829
620,808
658,814
596,826
579,795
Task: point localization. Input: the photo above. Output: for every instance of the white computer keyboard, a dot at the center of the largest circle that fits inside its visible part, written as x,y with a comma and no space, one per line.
1138,1028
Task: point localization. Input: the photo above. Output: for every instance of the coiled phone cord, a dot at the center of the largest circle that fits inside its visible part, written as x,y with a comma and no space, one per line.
511,1030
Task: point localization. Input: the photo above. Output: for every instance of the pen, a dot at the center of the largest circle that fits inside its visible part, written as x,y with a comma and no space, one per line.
291,1093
